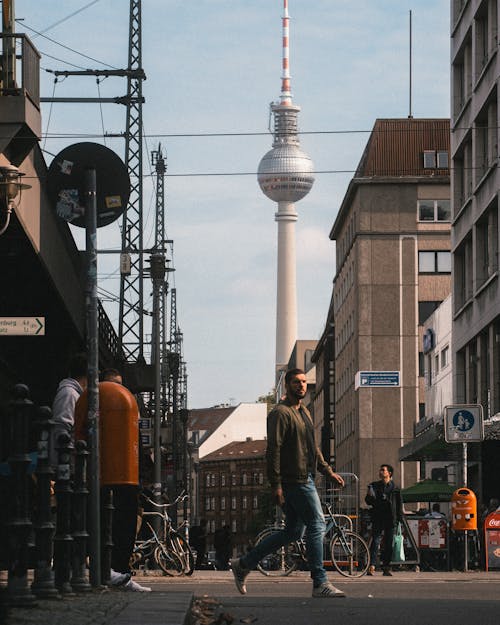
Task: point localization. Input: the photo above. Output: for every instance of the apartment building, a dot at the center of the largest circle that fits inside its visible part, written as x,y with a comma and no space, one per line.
393,269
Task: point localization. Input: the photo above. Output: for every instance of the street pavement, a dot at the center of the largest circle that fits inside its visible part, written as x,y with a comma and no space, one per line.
407,598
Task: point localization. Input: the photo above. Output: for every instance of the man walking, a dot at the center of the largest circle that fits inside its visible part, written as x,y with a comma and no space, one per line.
387,510
292,461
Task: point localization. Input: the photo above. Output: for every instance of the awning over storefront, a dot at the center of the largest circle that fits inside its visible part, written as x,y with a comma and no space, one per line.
427,490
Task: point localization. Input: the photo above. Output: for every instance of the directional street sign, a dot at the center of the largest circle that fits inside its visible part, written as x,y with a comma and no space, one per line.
22,326
373,379
463,423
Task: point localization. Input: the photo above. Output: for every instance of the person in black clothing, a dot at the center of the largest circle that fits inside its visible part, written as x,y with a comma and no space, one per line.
387,510
198,540
223,547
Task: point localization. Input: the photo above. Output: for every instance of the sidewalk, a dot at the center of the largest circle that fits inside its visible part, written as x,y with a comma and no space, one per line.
162,606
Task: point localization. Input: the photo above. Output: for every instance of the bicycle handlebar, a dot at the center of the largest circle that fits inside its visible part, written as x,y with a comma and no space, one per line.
182,497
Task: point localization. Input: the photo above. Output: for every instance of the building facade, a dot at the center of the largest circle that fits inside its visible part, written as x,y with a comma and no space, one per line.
234,492
476,181
393,268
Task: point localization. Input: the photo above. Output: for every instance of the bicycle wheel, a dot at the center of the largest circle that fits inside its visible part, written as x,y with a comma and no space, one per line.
181,547
350,554
281,562
168,561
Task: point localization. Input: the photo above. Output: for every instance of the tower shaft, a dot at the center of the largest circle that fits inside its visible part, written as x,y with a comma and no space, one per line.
286,298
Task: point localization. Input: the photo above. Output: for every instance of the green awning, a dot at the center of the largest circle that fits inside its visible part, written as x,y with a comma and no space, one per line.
428,490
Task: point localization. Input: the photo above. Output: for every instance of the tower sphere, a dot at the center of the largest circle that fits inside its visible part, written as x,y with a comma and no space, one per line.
285,174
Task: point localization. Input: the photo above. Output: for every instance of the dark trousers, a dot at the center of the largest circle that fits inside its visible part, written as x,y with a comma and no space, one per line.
382,528
124,526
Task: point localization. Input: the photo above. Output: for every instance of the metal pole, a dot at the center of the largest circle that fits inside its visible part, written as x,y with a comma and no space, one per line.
92,320
157,276
464,473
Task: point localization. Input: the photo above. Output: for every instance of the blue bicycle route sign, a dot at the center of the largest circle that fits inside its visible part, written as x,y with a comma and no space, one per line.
463,423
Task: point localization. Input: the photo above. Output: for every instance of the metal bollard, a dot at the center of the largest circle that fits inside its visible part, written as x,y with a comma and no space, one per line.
107,508
63,541
20,413
79,580
43,581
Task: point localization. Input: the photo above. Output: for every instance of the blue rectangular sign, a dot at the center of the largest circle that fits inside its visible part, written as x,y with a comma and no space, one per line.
376,379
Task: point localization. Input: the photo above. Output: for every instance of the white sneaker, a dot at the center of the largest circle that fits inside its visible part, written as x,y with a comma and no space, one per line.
118,579
240,575
135,587
328,591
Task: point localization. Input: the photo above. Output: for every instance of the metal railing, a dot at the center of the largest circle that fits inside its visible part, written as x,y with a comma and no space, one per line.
20,60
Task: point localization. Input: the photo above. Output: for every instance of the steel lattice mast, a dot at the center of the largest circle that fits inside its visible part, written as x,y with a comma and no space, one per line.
160,165
131,327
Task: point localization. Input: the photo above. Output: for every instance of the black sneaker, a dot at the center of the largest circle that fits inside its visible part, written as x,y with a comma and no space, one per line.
240,575
387,572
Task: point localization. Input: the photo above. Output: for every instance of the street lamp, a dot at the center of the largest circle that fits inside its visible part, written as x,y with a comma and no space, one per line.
10,187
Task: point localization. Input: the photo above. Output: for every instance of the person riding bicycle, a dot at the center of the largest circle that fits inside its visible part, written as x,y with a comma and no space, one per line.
292,461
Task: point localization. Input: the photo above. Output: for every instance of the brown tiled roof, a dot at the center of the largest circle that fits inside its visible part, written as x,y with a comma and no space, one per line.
239,450
396,147
208,419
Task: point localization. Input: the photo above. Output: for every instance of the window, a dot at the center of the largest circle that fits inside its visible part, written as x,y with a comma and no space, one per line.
434,210
233,479
244,502
445,356
429,159
222,503
223,479
436,364
233,526
207,503
207,480
233,503
244,479
255,502
435,159
487,244
462,275
212,479
442,160
434,262
425,310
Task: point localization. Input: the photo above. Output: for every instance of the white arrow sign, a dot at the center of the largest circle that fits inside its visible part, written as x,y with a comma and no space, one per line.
22,326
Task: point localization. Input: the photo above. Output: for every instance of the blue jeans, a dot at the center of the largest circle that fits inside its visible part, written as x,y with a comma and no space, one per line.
303,513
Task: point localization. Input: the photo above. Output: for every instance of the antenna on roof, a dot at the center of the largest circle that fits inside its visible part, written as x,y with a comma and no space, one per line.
410,114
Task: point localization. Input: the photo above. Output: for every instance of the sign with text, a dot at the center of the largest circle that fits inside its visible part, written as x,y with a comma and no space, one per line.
463,423
376,379
22,326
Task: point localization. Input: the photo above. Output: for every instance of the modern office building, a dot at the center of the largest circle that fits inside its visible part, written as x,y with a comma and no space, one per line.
476,181
393,269
475,67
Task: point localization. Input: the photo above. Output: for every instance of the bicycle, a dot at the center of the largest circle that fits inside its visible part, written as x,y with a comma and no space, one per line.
349,552
170,550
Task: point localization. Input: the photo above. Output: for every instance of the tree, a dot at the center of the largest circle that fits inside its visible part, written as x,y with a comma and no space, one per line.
269,399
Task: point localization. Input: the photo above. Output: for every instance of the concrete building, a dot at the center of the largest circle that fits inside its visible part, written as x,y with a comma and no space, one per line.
475,67
393,268
476,180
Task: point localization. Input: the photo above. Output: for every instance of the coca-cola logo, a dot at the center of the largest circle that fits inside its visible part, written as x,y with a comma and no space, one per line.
494,523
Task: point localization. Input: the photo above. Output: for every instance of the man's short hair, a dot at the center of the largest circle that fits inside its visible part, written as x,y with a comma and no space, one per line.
110,374
389,467
78,366
291,373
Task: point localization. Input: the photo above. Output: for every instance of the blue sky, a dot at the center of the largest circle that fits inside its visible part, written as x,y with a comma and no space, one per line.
213,66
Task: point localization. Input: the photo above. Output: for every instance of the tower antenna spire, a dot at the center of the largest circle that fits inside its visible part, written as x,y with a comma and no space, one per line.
286,95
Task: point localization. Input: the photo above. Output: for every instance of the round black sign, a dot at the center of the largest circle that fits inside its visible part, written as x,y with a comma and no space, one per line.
66,177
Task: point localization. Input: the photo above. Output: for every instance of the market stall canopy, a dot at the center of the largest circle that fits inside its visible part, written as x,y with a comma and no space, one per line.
428,490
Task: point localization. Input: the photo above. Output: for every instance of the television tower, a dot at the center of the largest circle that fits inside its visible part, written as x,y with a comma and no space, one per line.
285,175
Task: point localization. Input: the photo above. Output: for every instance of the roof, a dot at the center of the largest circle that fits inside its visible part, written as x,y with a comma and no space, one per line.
394,154
396,146
239,450
208,419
